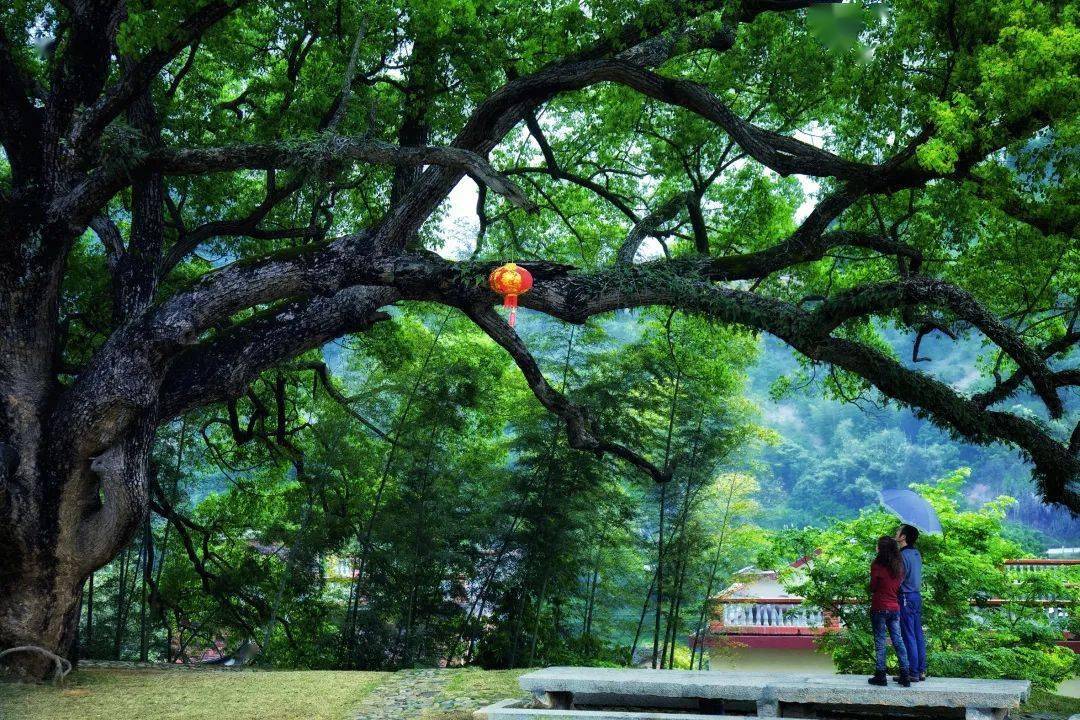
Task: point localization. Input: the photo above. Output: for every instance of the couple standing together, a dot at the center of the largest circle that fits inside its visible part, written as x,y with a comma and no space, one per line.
896,606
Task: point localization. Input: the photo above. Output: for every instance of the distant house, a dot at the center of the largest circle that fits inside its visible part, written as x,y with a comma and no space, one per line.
756,611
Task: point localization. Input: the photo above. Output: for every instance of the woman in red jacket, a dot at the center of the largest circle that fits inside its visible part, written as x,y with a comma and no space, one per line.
886,574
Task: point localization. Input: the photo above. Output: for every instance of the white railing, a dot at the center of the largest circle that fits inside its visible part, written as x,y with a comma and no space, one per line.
1030,565
771,615
744,613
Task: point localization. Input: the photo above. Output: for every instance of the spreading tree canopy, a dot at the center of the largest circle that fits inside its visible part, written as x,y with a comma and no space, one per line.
194,191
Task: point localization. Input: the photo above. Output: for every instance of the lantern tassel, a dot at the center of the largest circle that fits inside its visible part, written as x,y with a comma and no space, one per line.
510,301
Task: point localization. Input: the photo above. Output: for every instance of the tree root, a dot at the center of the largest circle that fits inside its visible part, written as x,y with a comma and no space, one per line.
63,665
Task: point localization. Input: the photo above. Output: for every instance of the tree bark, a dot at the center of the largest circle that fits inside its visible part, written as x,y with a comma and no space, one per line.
60,518
147,581
39,608
90,611
41,586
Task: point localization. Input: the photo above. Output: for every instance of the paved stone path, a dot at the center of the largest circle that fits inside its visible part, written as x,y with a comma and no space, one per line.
407,694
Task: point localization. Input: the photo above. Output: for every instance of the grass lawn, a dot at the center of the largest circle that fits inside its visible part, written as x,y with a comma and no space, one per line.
1042,704
93,694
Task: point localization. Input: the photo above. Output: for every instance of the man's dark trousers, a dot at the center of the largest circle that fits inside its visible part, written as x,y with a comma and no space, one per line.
911,629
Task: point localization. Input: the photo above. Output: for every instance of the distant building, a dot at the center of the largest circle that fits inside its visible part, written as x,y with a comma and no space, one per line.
1063,553
756,611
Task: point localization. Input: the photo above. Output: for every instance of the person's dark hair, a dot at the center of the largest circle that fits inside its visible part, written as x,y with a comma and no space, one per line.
910,533
888,556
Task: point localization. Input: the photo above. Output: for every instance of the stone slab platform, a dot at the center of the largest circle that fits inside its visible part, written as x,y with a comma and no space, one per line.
512,710
978,699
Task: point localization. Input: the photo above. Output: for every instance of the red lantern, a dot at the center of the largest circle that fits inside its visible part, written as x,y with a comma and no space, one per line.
510,281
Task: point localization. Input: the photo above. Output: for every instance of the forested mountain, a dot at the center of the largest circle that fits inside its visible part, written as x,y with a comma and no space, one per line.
833,454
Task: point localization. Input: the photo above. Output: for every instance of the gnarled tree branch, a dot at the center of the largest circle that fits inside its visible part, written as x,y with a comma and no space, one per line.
222,367
97,188
137,76
580,428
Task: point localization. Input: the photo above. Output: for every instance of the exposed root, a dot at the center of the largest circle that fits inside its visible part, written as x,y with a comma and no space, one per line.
63,665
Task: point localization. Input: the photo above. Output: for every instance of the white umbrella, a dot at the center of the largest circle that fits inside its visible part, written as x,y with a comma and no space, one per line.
912,508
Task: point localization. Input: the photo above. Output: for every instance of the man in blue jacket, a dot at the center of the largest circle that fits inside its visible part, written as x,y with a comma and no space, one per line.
910,597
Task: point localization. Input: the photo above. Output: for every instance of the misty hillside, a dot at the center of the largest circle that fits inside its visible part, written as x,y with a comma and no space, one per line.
832,456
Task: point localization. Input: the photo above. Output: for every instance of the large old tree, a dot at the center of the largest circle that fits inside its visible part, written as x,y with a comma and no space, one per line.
194,191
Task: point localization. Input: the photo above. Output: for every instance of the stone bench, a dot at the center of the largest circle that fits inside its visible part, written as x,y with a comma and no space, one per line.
514,710
767,694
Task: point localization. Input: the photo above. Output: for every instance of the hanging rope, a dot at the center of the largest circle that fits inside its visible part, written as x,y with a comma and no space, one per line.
63,665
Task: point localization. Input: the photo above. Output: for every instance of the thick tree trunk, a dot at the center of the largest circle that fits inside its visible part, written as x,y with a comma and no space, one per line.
42,579
39,598
62,514
47,561
40,583
39,607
